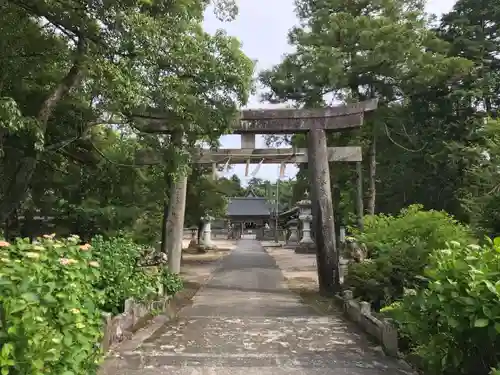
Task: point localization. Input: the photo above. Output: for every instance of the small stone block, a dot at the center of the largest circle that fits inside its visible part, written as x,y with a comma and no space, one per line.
348,295
305,249
129,305
390,338
365,308
157,305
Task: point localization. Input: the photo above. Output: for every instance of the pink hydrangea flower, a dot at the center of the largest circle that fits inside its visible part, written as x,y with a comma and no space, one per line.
85,247
67,261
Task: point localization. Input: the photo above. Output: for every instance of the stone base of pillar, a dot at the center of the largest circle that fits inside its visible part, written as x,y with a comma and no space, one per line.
291,244
207,247
200,249
306,248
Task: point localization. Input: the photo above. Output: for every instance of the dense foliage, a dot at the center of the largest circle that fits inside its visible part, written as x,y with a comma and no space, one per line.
453,324
78,87
122,275
50,320
398,250
82,84
435,82
53,293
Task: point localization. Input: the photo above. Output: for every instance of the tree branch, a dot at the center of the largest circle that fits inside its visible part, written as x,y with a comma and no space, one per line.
67,28
135,165
20,182
69,81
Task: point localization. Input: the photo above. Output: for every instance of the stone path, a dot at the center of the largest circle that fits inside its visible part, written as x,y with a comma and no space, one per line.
245,321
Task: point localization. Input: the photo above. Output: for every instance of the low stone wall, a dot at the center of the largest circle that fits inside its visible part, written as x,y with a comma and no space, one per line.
379,328
120,327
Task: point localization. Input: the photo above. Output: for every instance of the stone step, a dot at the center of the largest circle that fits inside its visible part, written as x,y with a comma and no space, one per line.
252,371
237,336
329,362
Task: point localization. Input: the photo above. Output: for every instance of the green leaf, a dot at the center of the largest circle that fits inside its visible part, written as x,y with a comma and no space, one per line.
453,322
30,297
49,298
481,323
496,242
7,349
68,340
38,363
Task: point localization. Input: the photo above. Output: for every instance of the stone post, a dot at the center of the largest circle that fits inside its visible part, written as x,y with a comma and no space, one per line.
343,260
343,266
293,239
365,308
206,241
342,235
194,237
306,244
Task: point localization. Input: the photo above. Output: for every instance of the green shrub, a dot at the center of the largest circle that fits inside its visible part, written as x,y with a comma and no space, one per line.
399,247
121,275
453,324
171,282
413,226
49,320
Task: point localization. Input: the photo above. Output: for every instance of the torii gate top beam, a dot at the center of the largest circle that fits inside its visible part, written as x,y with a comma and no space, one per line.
276,121
286,120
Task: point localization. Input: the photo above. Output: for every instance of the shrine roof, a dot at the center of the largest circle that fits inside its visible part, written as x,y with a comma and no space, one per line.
248,206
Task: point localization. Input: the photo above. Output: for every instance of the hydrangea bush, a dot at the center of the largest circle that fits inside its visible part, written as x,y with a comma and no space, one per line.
122,275
50,322
53,293
398,248
453,324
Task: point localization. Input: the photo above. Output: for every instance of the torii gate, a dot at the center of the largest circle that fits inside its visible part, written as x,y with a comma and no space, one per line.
315,122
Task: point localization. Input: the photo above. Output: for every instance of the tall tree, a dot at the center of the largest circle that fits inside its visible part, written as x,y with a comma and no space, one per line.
111,58
471,28
356,50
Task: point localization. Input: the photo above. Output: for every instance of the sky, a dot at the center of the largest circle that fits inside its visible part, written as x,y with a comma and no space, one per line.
262,27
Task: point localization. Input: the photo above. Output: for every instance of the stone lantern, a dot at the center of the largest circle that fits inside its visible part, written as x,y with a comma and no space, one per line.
306,243
194,237
293,238
206,239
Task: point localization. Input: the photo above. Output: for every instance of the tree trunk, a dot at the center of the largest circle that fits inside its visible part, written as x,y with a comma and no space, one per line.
359,195
372,168
18,187
164,245
327,255
175,224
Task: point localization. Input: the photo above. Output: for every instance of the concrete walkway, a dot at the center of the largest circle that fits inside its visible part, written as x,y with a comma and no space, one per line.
245,321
